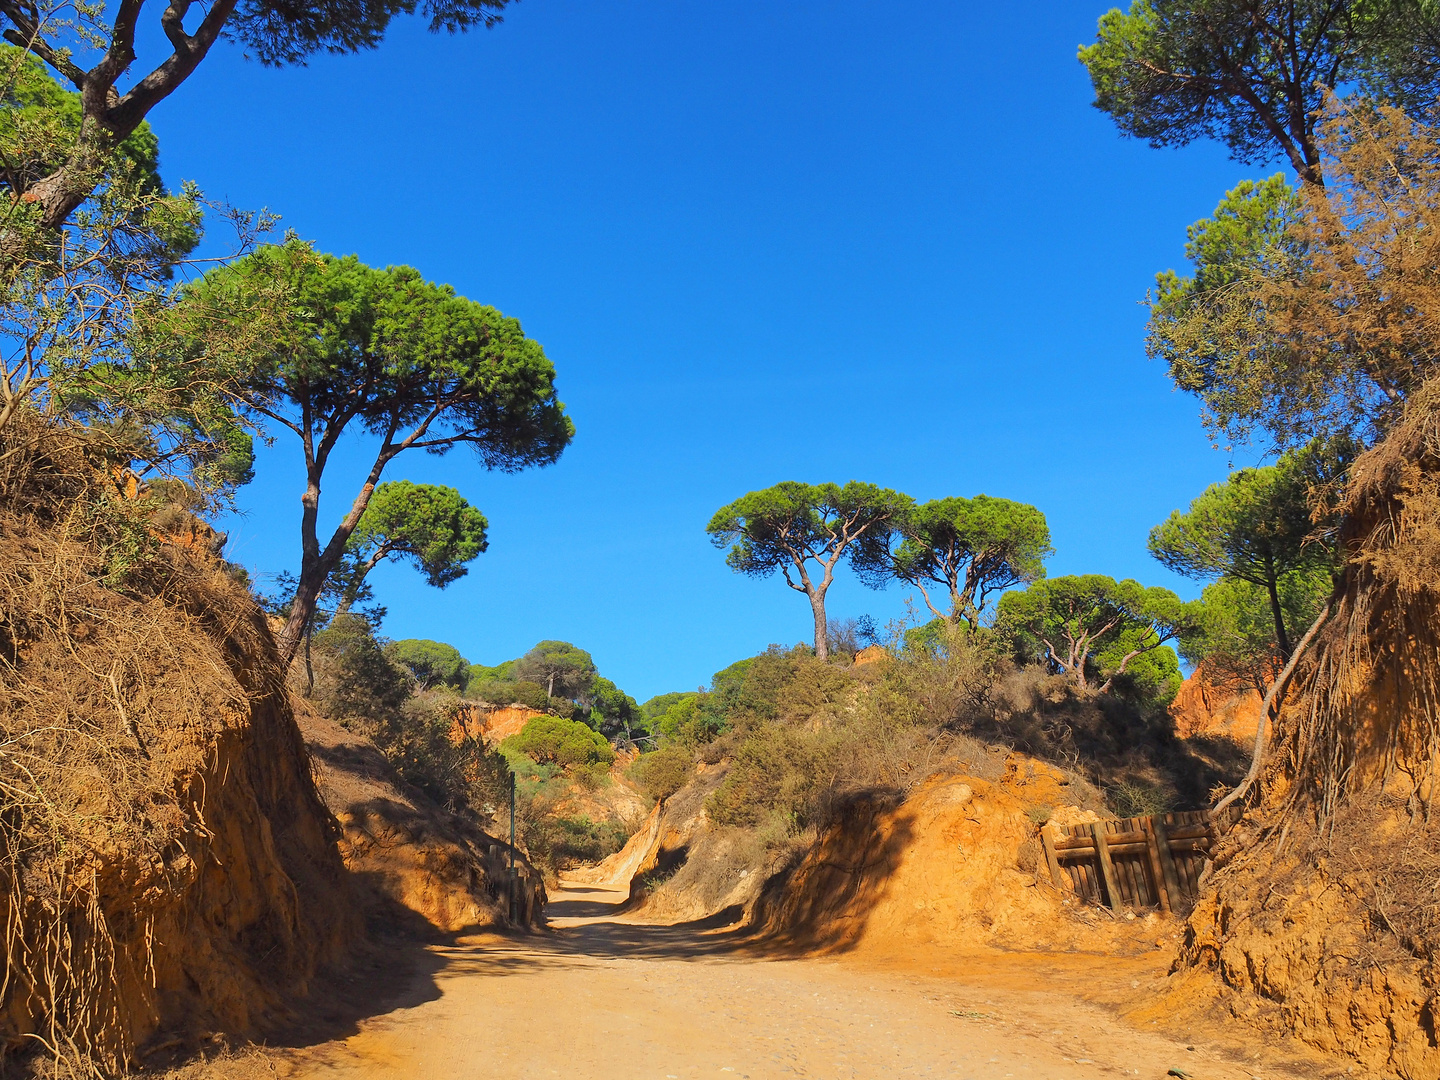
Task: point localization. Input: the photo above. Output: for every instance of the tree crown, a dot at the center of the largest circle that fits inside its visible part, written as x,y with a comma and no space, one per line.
565,669
285,33
1067,621
973,546
557,740
1252,73
1233,631
430,663
1255,525
782,526
319,341
429,524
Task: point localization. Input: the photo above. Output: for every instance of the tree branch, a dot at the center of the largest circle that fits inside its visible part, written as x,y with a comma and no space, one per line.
26,35
1277,688
928,604
165,79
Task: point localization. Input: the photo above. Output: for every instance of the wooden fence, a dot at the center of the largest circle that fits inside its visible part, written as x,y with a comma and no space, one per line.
1144,862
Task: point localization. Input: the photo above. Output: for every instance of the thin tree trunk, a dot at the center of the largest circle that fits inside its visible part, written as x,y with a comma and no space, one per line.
1281,637
317,565
309,667
1270,711
307,595
822,629
348,600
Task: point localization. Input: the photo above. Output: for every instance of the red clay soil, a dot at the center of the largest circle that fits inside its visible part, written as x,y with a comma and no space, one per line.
1202,708
411,859
198,888
492,725
952,866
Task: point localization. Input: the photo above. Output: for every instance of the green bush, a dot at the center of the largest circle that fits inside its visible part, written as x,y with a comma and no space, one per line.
357,684
508,692
661,773
658,705
479,673
430,663
353,677
805,733
556,842
1151,679
555,740
778,769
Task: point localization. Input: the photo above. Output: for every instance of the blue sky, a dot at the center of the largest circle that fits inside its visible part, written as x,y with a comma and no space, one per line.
811,240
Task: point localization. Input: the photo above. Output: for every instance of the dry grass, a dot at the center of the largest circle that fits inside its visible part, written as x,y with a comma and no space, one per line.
113,681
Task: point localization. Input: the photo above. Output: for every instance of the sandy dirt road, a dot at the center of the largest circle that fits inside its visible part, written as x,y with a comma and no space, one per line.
605,999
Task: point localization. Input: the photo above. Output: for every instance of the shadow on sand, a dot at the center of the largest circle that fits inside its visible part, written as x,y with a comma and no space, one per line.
819,903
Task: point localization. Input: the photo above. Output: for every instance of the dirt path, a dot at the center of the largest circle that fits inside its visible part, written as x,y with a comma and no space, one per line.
605,999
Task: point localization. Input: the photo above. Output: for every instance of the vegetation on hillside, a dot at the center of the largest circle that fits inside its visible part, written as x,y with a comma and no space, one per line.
1309,325
798,735
407,697
132,386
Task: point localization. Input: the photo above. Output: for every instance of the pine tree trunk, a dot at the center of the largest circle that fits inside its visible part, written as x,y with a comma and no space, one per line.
822,629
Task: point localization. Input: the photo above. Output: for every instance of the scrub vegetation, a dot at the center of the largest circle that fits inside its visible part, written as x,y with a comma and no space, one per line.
136,666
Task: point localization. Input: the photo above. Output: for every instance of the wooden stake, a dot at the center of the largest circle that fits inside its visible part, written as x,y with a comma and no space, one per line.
1167,863
1157,873
1107,868
1049,846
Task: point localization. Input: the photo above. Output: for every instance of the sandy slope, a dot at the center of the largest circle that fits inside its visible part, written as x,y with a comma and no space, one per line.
604,998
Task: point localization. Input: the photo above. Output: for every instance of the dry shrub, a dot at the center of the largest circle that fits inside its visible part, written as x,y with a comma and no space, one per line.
359,687
811,735
1130,752
814,734
554,840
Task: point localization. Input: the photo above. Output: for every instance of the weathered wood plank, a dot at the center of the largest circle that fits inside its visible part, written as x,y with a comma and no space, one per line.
1188,832
1128,892
1201,843
1107,870
1157,872
1167,862
1050,859
1087,853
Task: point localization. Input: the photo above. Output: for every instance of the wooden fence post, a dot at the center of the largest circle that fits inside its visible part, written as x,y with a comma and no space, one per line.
1157,872
1050,858
1107,869
1167,862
